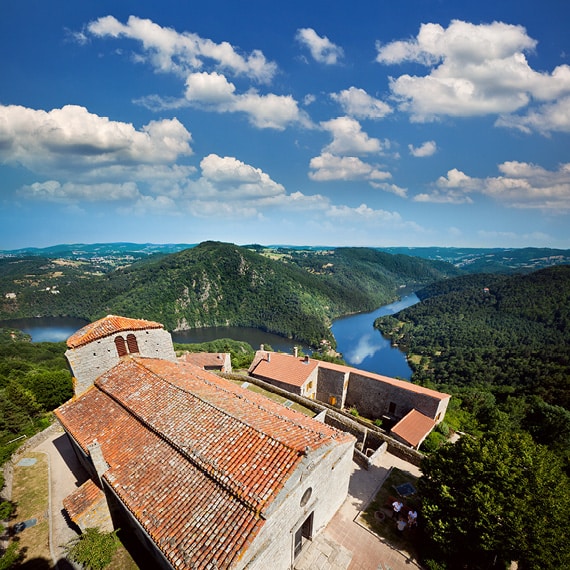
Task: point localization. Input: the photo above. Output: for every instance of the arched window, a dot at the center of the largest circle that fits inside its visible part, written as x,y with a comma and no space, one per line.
121,346
132,343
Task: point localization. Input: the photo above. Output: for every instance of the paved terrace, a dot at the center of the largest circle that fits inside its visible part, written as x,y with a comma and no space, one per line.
347,545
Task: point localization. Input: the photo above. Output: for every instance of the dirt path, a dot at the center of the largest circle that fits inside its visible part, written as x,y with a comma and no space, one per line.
65,476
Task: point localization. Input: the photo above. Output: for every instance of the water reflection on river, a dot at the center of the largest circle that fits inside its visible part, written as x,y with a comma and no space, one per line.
361,345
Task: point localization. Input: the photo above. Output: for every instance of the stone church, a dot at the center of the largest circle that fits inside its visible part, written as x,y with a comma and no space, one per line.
204,473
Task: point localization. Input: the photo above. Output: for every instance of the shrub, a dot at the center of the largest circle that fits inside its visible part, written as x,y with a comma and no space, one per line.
94,549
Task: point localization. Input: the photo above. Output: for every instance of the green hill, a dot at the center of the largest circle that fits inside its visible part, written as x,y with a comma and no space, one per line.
503,331
295,293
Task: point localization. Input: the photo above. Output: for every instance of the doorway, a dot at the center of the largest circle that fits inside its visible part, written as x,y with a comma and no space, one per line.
304,532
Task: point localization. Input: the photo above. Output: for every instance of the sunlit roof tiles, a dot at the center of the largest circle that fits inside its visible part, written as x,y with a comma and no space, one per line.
109,325
195,458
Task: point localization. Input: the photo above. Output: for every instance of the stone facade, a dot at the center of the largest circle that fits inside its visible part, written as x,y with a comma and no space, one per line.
375,399
307,503
332,386
90,360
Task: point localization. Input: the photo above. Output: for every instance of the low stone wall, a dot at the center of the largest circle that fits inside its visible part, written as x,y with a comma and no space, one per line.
369,438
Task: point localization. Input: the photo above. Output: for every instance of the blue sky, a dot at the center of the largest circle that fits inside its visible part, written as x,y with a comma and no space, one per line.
361,123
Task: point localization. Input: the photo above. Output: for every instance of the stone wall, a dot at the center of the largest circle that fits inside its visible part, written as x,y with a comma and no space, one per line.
88,362
331,386
372,399
317,489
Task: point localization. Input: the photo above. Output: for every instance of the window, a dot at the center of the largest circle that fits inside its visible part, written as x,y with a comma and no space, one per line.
121,346
332,400
392,408
132,343
306,496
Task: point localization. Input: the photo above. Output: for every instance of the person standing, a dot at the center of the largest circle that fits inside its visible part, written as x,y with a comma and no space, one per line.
396,508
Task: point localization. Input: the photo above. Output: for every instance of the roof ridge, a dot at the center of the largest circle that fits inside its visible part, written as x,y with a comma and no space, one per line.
208,467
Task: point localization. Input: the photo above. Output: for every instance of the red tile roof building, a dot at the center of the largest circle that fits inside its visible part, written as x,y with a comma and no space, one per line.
204,472
220,361
413,428
373,395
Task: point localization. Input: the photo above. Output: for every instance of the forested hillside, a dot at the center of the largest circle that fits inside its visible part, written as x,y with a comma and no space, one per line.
500,344
295,294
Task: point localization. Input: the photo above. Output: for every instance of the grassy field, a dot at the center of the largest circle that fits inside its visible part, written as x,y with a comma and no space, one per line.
30,495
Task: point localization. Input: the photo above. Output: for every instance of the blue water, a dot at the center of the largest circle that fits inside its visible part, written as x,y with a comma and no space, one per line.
364,347
361,345
46,329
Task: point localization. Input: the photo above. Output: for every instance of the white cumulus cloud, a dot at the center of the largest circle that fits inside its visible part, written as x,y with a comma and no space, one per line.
473,70
519,185
72,138
321,48
328,167
170,51
427,148
359,104
349,138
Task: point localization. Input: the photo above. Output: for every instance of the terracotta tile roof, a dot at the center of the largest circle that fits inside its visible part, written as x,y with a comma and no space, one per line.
290,370
83,500
196,459
284,368
107,326
387,379
204,360
413,427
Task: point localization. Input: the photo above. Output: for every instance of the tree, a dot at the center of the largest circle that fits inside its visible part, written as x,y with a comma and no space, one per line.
93,549
489,501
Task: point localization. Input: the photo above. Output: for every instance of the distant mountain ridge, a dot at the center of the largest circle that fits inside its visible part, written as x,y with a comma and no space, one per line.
470,260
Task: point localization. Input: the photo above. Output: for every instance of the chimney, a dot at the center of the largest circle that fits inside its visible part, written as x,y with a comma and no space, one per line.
296,351
306,359
97,458
261,347
269,357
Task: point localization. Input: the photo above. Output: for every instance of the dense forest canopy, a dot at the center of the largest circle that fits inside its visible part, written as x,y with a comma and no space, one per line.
500,345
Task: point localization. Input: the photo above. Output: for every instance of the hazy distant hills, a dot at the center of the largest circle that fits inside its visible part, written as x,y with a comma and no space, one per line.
498,260
293,292
470,260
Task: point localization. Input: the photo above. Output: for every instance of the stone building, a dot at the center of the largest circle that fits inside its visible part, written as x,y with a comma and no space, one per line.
97,347
216,361
373,395
205,473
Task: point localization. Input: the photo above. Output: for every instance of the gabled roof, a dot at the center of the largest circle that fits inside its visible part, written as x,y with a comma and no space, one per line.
205,360
403,384
281,367
83,500
196,459
288,369
413,428
107,326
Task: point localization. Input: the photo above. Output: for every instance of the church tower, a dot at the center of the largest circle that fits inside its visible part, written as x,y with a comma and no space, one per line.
99,346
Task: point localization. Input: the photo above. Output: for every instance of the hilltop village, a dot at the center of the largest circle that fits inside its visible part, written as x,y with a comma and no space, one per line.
208,474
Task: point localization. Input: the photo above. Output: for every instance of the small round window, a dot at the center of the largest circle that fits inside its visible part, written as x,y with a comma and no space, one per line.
306,496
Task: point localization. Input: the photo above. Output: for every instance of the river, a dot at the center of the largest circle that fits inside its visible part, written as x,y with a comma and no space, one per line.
361,345
364,347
